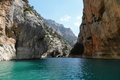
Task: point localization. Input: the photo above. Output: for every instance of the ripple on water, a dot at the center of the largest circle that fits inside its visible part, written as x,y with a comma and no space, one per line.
60,69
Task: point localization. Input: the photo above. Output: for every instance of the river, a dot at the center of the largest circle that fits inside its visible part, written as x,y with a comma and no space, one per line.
60,69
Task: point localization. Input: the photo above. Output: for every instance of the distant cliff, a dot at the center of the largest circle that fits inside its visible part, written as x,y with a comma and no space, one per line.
100,30
24,35
66,33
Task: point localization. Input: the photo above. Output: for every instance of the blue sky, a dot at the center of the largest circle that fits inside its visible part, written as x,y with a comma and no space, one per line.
66,12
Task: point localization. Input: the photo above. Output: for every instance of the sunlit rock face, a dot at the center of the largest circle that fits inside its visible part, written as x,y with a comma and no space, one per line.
57,45
100,29
7,49
23,33
66,33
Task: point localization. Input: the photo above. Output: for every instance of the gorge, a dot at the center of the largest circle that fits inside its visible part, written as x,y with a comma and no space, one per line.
24,34
99,30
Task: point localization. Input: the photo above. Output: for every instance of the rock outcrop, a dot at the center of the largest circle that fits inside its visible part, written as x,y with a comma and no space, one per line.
100,29
7,45
22,32
66,33
57,45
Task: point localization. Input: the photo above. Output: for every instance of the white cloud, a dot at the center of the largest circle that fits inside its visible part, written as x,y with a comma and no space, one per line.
78,17
77,24
65,18
67,26
76,35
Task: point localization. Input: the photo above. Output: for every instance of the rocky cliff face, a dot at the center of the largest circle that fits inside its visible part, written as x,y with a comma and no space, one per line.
57,45
100,29
66,33
22,32
7,45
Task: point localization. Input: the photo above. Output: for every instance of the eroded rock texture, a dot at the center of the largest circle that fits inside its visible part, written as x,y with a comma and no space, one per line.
7,49
100,29
23,33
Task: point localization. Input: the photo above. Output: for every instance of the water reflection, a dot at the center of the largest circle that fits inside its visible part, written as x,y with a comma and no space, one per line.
6,69
100,69
60,69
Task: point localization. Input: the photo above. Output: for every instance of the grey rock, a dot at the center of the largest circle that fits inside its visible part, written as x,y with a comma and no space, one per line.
66,33
24,35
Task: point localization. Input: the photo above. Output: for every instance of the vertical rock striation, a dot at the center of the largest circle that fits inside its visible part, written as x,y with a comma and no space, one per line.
100,29
7,49
21,31
24,35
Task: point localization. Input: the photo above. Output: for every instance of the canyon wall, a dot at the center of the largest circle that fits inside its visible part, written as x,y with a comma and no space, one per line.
66,33
100,29
7,49
24,35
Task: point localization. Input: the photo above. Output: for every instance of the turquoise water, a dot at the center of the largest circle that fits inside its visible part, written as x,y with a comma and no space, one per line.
60,69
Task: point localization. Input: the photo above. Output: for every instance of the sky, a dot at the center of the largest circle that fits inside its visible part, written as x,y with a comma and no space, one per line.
66,12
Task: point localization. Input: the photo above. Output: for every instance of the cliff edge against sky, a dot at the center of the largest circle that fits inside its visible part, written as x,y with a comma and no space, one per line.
100,30
24,35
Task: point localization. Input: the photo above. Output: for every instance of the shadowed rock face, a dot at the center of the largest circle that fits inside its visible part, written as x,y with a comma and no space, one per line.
23,33
100,29
78,49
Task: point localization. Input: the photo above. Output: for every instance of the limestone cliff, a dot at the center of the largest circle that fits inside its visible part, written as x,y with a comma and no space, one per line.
100,29
66,33
57,45
22,32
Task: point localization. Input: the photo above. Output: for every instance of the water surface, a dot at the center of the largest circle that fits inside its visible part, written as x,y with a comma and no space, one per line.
60,69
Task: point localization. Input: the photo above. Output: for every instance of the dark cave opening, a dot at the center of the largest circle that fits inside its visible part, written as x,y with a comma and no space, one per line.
78,49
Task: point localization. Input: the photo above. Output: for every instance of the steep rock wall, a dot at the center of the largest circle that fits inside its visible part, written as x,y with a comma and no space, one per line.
7,49
21,31
100,29
24,35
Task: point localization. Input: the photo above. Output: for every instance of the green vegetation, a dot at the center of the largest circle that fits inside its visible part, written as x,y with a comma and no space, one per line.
1,2
11,1
53,38
25,1
30,9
